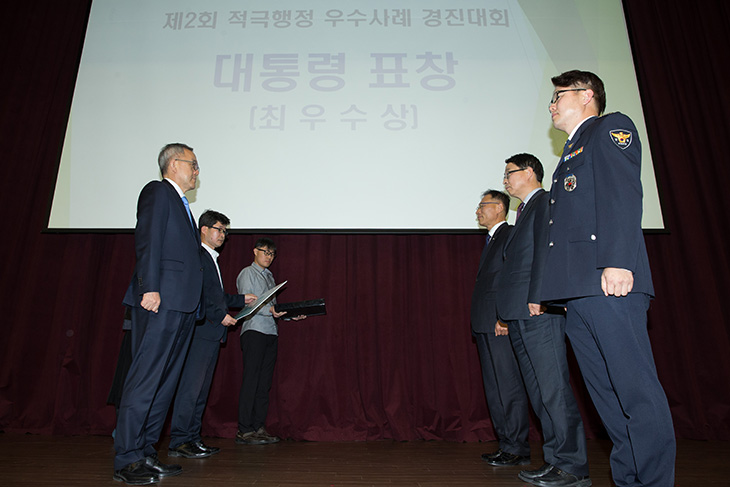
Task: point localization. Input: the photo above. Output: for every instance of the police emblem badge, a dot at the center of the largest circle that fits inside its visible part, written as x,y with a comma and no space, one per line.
622,138
570,182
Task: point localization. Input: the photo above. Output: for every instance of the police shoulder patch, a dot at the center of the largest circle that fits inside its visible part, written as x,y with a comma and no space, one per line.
621,137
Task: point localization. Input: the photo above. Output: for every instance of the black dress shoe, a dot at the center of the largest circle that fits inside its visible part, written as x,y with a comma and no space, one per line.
251,438
188,450
265,437
505,459
488,456
212,449
557,478
528,475
136,473
163,470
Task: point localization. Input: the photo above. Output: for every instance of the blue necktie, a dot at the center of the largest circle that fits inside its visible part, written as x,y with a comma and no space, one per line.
489,237
187,208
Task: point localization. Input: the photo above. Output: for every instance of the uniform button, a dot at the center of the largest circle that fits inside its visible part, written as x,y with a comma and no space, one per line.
551,244
552,201
555,180
550,222
593,237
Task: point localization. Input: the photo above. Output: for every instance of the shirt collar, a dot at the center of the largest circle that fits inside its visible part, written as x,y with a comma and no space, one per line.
177,188
213,252
259,268
493,230
527,198
575,129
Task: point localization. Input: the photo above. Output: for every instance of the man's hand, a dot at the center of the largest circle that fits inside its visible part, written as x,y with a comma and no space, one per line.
300,317
277,315
616,282
151,301
501,328
228,320
536,309
250,298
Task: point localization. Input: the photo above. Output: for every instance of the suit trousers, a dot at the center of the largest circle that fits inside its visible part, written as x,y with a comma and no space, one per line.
160,342
610,340
539,344
192,392
259,358
506,397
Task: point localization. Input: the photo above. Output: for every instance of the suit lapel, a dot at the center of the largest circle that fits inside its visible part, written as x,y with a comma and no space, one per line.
178,203
523,216
210,262
489,248
531,203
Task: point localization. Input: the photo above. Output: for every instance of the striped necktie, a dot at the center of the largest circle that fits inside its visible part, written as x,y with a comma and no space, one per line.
519,210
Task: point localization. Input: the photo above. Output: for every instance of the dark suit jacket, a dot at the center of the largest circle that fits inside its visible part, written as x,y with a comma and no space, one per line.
217,302
168,251
596,214
484,297
520,281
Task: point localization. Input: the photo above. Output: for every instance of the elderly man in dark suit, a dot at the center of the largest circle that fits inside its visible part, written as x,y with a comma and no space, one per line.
503,387
597,266
537,333
197,374
164,294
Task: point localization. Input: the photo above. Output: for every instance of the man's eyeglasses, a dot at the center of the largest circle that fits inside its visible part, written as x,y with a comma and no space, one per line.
224,231
486,203
556,94
268,253
194,163
507,174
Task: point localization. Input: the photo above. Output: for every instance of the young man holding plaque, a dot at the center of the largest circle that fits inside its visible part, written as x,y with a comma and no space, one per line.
259,343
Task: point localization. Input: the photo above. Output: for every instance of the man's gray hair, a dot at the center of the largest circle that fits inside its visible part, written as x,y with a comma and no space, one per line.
170,152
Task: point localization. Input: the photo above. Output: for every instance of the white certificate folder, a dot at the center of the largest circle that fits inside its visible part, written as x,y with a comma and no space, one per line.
262,300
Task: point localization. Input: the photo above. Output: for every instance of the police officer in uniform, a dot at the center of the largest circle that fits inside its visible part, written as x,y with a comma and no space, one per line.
597,266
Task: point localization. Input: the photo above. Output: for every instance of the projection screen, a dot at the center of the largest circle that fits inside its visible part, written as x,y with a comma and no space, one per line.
324,115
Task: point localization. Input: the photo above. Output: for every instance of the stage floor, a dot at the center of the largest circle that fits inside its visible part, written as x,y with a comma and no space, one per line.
59,461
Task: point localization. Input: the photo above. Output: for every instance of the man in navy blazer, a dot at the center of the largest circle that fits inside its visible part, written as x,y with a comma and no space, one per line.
164,295
597,266
506,397
197,374
538,333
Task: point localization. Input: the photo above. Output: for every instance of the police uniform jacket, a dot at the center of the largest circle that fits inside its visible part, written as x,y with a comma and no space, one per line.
595,211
